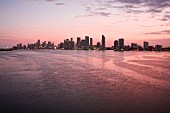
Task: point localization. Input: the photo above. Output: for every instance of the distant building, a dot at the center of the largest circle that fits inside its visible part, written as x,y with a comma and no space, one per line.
24,47
150,48
31,46
98,45
103,42
121,44
50,45
91,42
78,42
38,44
145,45
19,46
61,45
116,45
158,47
68,45
134,46
44,44
83,44
87,41
127,48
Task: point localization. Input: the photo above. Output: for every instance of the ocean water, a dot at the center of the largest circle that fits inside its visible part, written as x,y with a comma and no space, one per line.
54,81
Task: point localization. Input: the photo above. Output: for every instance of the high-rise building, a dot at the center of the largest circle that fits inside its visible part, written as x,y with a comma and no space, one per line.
19,46
91,42
116,45
87,41
68,45
146,45
83,44
121,44
38,44
103,42
78,42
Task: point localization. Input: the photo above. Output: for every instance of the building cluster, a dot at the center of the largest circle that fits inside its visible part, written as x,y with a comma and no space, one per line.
82,44
87,44
119,46
37,45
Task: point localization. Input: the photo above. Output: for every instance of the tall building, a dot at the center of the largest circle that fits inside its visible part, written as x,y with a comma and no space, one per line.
19,46
91,42
146,45
87,41
78,42
103,42
116,45
83,44
121,44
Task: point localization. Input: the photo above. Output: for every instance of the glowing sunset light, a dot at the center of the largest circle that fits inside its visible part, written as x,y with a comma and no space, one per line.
55,20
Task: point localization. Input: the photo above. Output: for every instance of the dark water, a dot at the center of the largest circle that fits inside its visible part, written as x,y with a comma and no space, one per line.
48,81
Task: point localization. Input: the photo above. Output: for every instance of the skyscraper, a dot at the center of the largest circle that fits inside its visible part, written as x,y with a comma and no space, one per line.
78,42
87,41
103,42
116,45
121,44
146,45
91,42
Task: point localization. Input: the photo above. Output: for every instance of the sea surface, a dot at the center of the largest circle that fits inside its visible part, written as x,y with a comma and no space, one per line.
56,81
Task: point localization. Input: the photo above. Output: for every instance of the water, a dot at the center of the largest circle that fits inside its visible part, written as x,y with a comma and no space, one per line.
49,81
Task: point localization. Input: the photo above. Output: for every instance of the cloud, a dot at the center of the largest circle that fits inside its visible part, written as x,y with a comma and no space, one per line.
159,32
6,36
130,6
95,14
59,3
56,2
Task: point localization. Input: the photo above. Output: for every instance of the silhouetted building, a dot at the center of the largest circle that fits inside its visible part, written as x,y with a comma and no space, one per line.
87,41
24,47
103,42
158,47
83,44
127,48
44,44
121,44
134,46
31,46
98,45
68,45
91,42
145,45
38,44
19,46
116,45
61,45
150,48
50,45
78,42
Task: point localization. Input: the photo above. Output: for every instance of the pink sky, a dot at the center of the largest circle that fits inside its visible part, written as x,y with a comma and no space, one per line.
27,21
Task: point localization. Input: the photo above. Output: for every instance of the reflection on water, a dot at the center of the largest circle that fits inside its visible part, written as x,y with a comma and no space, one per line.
84,81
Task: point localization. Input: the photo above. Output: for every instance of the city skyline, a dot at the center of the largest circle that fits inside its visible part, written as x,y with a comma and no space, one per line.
87,44
136,21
